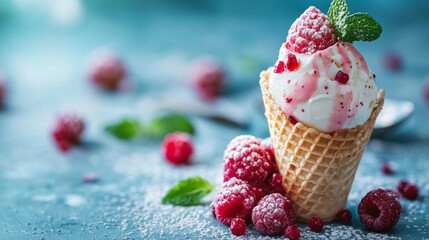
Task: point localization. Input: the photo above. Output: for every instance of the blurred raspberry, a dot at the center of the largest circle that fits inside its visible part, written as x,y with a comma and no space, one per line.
67,131
344,216
2,93
426,90
208,79
386,168
177,148
311,32
107,70
392,61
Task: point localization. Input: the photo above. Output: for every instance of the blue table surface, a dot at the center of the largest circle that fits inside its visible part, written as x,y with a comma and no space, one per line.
43,56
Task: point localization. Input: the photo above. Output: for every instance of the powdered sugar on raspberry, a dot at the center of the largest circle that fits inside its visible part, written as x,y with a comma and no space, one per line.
245,159
311,32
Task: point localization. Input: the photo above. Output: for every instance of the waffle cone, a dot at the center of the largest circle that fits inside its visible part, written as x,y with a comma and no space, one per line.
318,168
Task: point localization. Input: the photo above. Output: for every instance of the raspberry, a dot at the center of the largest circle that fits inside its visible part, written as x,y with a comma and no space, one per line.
245,159
396,194
90,178
273,214
292,120
106,70
268,146
401,185
177,148
344,216
392,61
293,232
235,200
379,210
280,67
238,227
386,168
410,192
426,91
2,93
341,77
316,224
292,62
213,209
207,78
275,185
67,131
311,32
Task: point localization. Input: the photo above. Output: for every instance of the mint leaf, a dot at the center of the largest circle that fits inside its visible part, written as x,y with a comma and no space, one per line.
125,129
188,192
337,14
361,27
161,126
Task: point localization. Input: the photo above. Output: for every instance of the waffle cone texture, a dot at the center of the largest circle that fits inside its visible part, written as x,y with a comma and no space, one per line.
318,168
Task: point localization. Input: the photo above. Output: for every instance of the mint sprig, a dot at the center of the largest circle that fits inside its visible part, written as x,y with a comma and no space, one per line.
129,128
355,27
188,192
125,129
161,126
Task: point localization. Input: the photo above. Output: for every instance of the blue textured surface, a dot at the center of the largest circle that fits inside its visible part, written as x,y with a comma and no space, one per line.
42,195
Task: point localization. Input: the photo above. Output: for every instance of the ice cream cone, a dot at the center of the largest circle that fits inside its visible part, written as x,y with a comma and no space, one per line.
318,168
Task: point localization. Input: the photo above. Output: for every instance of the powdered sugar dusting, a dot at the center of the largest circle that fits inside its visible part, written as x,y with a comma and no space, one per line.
311,32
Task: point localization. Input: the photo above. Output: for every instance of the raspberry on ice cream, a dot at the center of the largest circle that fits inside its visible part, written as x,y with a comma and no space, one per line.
379,210
311,32
177,148
208,79
67,131
245,159
235,200
106,70
273,214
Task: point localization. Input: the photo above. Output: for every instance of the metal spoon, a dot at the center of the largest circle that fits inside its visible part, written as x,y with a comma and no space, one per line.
392,116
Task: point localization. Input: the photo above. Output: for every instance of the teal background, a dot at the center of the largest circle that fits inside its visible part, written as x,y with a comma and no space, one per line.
43,55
